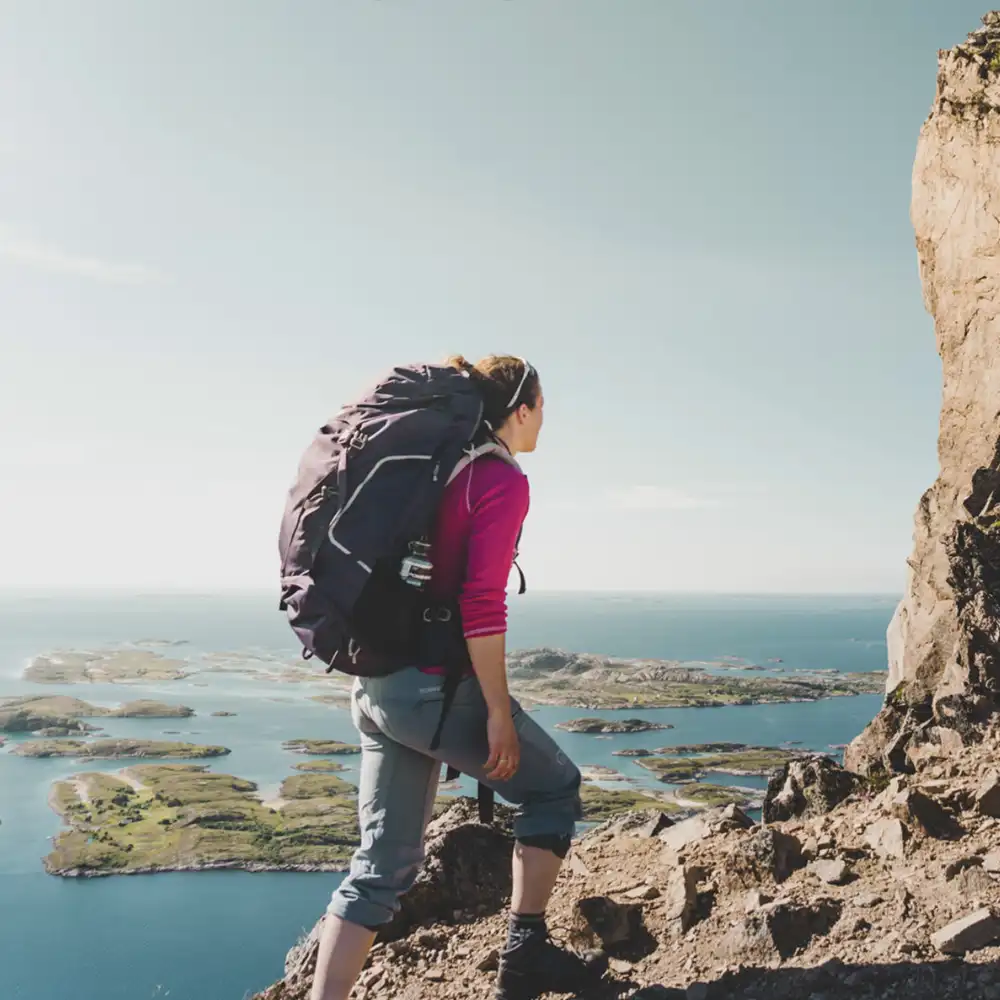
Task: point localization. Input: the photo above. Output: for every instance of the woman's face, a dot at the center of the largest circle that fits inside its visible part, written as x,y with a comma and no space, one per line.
530,423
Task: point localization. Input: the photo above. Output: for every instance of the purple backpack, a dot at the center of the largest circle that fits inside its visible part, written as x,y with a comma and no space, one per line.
368,486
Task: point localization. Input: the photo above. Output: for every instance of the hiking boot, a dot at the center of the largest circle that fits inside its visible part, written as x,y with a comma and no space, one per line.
538,966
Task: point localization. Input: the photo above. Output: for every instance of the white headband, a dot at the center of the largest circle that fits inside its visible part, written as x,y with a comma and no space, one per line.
524,378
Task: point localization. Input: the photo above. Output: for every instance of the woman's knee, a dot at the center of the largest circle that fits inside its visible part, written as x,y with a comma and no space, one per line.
548,819
370,894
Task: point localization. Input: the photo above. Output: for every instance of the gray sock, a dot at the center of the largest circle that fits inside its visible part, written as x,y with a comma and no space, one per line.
523,928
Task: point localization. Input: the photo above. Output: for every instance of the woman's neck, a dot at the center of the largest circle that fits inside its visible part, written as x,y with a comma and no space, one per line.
505,437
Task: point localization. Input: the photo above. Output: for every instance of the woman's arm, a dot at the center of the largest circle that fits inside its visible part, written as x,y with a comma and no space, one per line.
488,653
497,516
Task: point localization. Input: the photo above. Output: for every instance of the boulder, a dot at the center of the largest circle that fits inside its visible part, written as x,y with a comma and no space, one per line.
913,807
777,930
754,900
971,933
681,897
690,831
636,823
833,872
988,795
887,838
766,854
810,786
600,922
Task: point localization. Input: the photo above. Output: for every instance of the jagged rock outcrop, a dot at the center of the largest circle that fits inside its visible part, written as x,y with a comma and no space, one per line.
810,786
944,641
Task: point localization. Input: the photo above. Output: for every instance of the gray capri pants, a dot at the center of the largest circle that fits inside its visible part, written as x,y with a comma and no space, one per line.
397,716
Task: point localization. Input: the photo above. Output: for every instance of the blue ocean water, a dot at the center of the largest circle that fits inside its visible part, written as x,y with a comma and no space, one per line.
215,935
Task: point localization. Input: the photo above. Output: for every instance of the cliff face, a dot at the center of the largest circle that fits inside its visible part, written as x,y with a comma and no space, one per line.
944,641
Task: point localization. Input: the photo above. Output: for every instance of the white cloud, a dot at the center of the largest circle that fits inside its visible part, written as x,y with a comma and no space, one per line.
640,497
30,253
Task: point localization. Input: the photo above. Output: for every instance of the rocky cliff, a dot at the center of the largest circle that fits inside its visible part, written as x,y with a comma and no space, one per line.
944,641
878,881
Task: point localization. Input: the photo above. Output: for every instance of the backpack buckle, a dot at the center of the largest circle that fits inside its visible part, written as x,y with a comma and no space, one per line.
440,614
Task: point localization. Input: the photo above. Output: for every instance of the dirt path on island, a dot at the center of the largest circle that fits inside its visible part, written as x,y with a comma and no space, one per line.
131,780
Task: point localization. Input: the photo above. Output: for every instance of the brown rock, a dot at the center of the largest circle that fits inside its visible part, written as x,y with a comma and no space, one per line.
754,900
778,930
887,838
635,823
643,892
974,881
490,962
971,933
988,795
834,872
991,862
914,807
681,898
601,922
689,831
766,853
808,787
733,815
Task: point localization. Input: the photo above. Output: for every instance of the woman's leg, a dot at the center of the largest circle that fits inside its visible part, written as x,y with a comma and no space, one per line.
343,949
546,792
395,797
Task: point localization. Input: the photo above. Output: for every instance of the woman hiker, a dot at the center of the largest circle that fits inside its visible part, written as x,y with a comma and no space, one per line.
486,734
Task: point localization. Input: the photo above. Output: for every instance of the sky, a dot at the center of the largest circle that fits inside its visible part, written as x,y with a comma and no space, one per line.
221,221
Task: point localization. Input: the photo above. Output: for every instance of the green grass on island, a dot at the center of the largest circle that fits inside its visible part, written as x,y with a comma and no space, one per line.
110,749
321,747
602,803
30,713
105,666
590,725
760,761
712,796
556,677
313,766
169,817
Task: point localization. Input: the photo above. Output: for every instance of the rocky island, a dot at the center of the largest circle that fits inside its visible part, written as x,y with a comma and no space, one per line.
321,766
177,817
321,747
35,714
146,708
591,726
111,749
107,666
555,677
758,761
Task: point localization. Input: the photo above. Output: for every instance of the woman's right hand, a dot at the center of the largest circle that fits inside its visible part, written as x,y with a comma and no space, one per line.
505,747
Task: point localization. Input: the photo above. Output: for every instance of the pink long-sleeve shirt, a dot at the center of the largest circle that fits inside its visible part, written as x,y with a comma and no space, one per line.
474,539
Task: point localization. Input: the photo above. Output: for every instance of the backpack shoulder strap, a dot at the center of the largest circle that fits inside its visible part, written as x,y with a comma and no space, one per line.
473,452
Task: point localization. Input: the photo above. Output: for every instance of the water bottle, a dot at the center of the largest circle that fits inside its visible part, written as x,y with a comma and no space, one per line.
416,566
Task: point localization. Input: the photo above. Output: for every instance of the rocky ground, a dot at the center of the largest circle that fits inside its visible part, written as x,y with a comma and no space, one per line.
891,892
